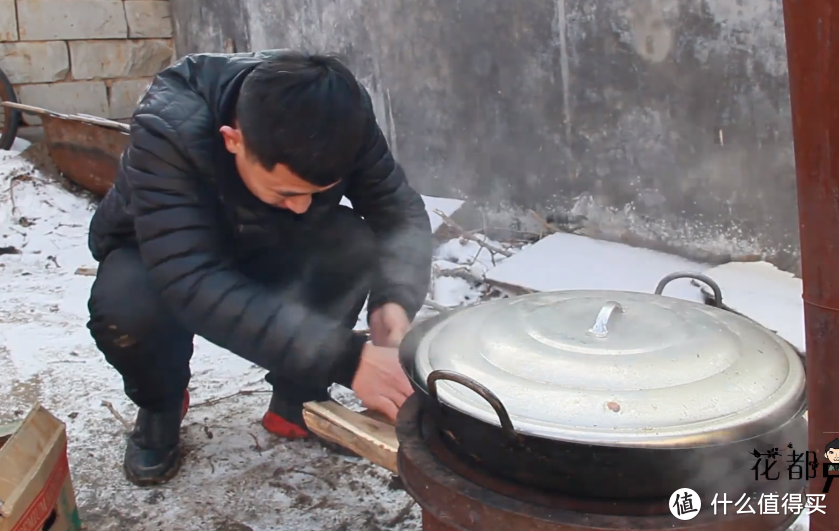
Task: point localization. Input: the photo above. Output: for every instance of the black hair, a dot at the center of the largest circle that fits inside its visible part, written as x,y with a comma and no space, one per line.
305,111
832,445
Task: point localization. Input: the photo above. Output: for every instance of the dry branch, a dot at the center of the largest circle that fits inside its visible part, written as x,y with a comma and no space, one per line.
110,407
550,229
243,392
435,306
458,272
449,222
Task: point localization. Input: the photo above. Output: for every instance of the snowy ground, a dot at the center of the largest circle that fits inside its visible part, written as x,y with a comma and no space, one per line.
236,476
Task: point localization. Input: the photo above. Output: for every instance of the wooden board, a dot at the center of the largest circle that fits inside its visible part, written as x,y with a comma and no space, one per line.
367,434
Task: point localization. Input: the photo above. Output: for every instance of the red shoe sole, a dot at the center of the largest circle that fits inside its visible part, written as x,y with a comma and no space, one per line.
280,427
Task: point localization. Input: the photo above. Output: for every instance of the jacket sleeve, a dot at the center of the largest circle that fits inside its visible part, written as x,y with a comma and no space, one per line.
180,244
379,191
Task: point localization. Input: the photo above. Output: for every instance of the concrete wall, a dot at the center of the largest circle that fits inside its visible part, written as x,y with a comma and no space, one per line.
665,122
84,56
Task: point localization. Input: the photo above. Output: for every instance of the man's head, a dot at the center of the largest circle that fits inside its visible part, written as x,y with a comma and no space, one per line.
831,451
300,122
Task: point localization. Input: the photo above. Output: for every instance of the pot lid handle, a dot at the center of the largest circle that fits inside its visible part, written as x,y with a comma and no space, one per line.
600,324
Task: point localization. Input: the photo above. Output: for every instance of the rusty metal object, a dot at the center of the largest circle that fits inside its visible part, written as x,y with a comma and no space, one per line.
86,154
468,501
812,34
86,149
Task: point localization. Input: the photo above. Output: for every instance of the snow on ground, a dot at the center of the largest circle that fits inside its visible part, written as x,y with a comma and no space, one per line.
460,266
236,477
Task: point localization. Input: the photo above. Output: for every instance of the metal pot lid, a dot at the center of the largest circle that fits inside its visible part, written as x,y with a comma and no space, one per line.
616,368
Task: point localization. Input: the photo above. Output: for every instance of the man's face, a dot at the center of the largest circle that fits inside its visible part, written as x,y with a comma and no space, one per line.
832,455
279,186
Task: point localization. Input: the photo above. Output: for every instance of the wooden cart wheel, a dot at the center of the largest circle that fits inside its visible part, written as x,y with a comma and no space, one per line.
9,118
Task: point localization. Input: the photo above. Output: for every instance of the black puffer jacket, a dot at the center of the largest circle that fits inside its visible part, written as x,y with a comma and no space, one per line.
167,200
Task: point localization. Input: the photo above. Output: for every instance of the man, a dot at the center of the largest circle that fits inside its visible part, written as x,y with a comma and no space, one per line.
224,222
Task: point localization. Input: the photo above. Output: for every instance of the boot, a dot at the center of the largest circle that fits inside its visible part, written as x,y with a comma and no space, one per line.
287,422
153,453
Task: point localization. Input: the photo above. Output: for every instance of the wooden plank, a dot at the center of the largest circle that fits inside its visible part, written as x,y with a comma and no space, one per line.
86,118
368,437
379,417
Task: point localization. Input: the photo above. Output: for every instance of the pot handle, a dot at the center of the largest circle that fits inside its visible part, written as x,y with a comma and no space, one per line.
695,276
480,390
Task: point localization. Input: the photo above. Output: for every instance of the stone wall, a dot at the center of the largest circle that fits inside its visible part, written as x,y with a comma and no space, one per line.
84,56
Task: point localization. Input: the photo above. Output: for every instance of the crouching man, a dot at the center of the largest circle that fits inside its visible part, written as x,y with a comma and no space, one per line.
224,222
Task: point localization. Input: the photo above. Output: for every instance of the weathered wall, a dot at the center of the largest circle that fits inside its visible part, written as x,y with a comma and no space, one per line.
84,56
661,120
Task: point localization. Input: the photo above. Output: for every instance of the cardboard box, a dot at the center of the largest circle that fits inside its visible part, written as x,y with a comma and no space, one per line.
36,491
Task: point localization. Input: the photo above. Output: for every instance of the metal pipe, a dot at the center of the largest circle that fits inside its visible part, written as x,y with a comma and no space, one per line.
812,33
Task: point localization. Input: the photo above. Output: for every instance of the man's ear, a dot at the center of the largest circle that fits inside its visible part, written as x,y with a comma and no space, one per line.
233,140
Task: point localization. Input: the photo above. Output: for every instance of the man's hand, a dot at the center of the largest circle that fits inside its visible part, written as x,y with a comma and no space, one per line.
380,382
388,325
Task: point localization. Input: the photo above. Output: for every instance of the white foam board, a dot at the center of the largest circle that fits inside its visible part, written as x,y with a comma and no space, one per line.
572,262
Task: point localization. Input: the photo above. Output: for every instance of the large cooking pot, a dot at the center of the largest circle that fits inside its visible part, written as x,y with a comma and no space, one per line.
610,394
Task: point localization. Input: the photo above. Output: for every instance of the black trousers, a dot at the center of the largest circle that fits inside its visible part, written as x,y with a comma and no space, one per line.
331,261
